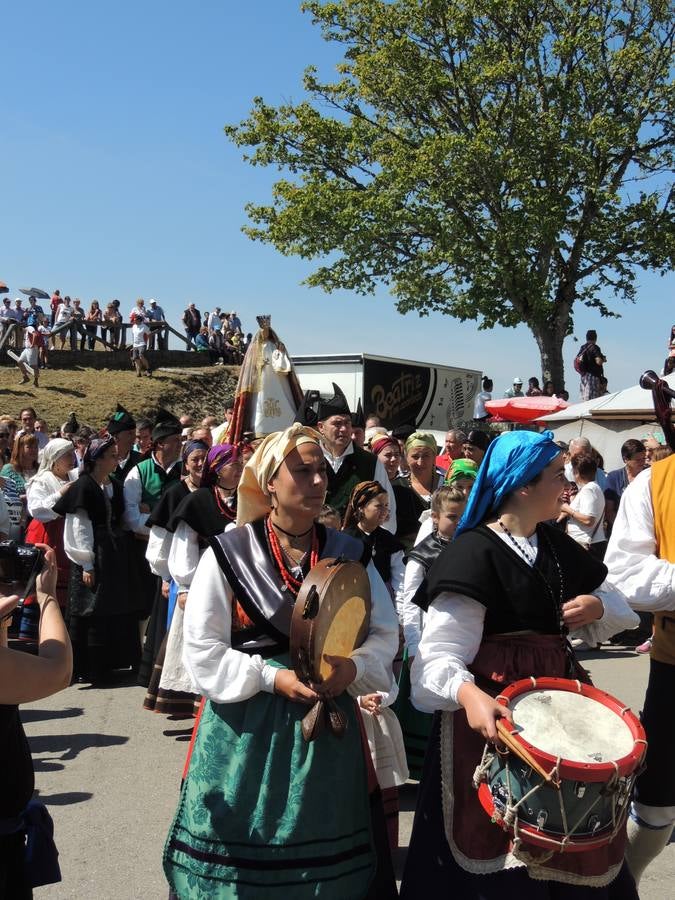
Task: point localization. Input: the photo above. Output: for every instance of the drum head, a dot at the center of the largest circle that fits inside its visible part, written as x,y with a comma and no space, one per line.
571,726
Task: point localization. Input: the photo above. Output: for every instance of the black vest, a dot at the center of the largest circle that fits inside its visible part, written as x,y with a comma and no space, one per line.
246,560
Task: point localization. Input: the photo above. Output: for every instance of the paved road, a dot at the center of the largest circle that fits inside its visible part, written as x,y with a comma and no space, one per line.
109,772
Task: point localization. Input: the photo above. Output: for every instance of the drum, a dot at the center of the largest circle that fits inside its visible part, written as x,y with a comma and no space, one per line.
331,616
565,777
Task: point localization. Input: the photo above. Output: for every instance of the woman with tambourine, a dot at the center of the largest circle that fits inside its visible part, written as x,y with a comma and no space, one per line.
502,597
263,811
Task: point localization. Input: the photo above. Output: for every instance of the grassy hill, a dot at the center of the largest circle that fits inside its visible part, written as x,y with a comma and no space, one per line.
92,394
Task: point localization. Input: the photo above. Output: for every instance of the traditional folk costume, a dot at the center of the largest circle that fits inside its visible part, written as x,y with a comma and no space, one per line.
200,516
262,812
352,466
144,485
411,506
385,738
46,526
496,617
641,561
102,621
416,725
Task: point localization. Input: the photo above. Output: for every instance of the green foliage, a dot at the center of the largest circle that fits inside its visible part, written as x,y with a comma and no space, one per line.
495,160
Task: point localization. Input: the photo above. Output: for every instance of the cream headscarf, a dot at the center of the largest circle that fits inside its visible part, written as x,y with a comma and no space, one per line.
253,499
53,451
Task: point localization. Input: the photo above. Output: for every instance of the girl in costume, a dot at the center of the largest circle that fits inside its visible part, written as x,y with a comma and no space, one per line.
102,627
502,597
367,510
201,515
157,553
262,812
447,506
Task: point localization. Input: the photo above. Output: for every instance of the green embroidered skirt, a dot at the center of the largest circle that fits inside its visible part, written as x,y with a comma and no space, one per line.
263,813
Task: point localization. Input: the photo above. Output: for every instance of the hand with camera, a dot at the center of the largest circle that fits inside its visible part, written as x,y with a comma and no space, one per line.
24,677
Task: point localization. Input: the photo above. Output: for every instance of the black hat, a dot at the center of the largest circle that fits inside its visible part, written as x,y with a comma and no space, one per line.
121,420
71,425
335,406
480,439
358,419
166,424
307,413
403,432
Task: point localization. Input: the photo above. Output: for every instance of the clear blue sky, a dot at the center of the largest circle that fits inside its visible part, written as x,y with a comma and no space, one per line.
117,181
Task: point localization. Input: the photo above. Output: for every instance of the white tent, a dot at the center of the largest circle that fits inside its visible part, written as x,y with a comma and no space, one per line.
609,421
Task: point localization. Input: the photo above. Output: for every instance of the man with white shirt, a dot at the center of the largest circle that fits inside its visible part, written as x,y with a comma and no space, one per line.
640,558
347,463
143,487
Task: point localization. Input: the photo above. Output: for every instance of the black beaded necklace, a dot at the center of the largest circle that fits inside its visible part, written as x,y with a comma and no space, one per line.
557,598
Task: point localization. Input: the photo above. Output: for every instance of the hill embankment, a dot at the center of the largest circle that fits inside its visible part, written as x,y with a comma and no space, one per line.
92,394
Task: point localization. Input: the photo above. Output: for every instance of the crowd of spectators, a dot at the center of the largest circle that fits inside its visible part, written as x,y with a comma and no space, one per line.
216,333
64,323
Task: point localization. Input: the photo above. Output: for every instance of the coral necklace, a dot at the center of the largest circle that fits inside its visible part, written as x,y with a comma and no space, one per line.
291,583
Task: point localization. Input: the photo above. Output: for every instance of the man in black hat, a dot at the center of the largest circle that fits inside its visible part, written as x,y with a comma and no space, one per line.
145,482
347,463
358,426
122,427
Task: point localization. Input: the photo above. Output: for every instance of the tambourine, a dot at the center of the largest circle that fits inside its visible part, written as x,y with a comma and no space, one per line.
331,616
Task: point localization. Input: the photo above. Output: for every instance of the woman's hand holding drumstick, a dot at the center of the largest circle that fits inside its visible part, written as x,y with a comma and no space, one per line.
482,711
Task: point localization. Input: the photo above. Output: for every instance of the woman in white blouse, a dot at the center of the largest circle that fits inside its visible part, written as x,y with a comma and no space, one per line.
101,623
586,511
500,601
263,812
55,474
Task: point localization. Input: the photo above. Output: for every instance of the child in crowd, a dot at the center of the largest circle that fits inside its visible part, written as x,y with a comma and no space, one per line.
447,506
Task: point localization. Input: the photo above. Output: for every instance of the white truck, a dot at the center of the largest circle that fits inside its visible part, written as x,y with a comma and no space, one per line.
400,391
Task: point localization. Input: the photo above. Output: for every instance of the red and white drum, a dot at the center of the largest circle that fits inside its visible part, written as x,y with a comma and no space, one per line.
573,752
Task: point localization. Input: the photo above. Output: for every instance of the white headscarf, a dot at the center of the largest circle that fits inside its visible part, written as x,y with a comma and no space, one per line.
52,452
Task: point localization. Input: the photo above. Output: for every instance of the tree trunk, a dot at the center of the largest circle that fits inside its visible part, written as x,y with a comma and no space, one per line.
550,343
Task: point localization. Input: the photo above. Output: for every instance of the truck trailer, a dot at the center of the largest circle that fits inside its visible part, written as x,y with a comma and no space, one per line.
400,391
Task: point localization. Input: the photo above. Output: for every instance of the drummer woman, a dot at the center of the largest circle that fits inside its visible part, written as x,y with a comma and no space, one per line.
503,596
263,812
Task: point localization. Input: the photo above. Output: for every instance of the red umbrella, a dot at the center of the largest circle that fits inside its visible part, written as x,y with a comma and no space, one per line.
524,409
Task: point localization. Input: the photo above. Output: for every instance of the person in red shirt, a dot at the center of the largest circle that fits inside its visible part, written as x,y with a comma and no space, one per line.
452,449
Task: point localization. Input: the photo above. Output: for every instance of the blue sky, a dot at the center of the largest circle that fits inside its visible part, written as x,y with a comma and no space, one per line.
117,181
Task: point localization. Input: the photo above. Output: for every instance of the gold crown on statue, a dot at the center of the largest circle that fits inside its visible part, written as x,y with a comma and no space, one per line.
264,321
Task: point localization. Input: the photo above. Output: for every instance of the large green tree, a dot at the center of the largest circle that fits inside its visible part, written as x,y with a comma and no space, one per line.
495,160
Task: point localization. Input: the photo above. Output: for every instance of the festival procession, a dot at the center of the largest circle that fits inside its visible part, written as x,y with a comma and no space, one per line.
309,588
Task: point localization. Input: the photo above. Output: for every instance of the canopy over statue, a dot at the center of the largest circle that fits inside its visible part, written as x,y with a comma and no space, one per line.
268,393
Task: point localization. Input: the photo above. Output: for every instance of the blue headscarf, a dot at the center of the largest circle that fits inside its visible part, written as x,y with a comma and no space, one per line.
510,462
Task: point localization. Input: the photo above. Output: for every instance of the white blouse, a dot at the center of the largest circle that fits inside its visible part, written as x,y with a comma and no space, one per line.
157,551
78,536
225,675
453,631
647,581
42,492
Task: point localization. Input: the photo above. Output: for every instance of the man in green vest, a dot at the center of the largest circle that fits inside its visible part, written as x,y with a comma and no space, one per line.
144,484
347,463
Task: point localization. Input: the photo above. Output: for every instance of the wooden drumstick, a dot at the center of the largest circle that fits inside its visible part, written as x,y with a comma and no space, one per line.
520,751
